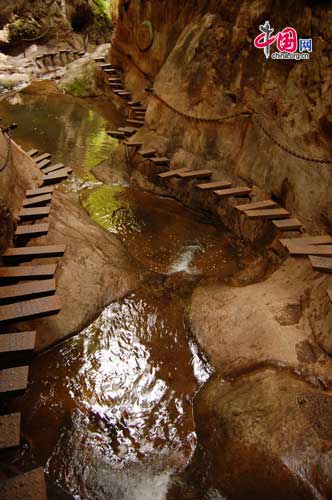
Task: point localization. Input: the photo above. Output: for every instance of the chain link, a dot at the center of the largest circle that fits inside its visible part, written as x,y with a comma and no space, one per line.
251,113
9,151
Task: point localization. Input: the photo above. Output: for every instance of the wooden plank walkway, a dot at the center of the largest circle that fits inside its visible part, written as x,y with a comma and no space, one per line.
172,173
34,201
28,272
195,174
45,156
162,160
34,252
34,213
291,224
322,264
325,239
32,309
39,191
147,153
53,168
270,213
28,290
320,250
31,231
128,130
116,134
20,341
14,379
28,486
10,432
237,191
138,123
256,205
44,163
55,177
32,152
210,186
133,144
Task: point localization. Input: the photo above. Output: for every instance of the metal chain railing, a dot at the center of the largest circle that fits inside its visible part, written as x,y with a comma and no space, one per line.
251,113
7,131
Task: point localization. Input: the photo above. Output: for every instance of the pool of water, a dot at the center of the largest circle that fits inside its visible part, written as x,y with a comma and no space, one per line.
109,413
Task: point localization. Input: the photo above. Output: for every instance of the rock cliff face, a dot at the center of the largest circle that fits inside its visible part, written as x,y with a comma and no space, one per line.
200,58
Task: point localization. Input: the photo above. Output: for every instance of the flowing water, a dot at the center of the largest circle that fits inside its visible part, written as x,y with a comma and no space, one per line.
109,413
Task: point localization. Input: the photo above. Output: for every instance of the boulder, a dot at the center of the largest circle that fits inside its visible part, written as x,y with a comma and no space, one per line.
84,78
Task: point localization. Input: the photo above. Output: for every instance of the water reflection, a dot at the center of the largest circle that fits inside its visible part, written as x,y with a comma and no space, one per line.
113,399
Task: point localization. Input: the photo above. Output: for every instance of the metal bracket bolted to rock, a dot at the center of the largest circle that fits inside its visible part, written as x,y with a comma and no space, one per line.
145,36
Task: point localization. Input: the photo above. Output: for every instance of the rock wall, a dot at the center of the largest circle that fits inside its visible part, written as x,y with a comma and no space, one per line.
200,58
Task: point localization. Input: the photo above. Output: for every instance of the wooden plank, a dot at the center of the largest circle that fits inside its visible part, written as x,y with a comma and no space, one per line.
28,272
14,379
114,80
127,131
27,290
44,163
37,200
162,160
147,153
32,152
307,240
320,250
139,108
291,224
137,123
19,341
210,186
30,309
116,86
238,191
269,213
45,156
195,174
256,205
172,173
10,432
57,176
34,213
134,103
28,486
133,144
322,264
116,134
53,168
32,230
34,252
39,191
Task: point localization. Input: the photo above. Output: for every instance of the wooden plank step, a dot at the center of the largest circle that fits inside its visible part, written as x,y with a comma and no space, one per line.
19,341
32,152
134,103
53,168
37,200
34,252
133,144
27,290
128,130
256,205
10,432
105,65
307,240
291,224
34,308
34,213
109,70
116,134
116,86
39,191
320,250
28,272
114,79
195,174
322,264
238,191
172,173
57,176
123,92
28,486
14,379
32,230
139,108
147,153
269,213
44,163
45,156
210,186
138,123
162,160
100,59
